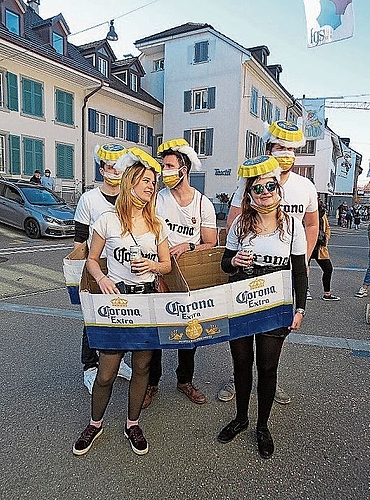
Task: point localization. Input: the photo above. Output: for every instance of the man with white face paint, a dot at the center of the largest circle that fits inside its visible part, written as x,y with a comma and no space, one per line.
299,200
191,219
90,206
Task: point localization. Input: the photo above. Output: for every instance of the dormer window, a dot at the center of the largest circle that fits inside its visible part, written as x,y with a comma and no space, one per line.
103,66
13,22
134,82
58,43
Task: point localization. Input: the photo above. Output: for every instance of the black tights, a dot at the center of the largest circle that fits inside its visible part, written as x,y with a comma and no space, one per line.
267,359
107,372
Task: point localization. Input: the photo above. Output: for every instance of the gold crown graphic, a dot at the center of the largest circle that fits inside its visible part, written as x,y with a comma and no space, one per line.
119,302
257,283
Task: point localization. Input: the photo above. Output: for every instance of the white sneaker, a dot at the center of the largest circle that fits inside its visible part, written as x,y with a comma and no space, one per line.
89,378
281,396
362,292
227,392
309,296
124,371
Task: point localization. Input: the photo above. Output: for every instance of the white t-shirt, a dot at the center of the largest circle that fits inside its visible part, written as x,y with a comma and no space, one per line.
268,249
90,207
117,248
185,222
299,195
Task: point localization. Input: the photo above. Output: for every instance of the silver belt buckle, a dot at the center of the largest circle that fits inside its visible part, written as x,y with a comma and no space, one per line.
139,288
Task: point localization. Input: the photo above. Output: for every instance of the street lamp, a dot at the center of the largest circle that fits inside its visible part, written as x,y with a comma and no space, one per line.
111,35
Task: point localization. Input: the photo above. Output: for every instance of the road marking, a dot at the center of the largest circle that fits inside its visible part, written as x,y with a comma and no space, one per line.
36,248
294,338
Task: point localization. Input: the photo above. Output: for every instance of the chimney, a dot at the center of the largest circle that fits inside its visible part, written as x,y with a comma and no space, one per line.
275,70
34,4
261,52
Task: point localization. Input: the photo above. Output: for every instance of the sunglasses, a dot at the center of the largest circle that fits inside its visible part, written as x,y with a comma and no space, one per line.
270,187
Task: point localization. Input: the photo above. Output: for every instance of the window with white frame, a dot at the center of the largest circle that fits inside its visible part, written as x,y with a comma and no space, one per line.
253,146
305,171
254,101
2,153
308,149
158,65
277,114
158,142
198,140
200,99
119,128
142,134
101,123
122,76
103,66
134,80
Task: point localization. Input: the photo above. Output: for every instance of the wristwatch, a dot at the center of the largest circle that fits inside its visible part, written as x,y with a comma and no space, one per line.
300,311
191,246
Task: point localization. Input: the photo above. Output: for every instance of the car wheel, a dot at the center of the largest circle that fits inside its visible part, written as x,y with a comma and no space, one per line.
32,228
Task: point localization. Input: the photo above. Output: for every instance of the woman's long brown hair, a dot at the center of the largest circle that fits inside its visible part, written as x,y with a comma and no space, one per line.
248,221
131,178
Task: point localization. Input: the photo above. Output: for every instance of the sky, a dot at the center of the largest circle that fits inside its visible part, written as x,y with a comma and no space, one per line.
333,70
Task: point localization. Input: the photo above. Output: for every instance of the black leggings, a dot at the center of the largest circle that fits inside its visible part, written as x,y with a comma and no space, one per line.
268,350
107,372
326,267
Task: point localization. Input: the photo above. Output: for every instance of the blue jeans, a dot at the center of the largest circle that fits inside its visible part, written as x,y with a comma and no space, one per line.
367,275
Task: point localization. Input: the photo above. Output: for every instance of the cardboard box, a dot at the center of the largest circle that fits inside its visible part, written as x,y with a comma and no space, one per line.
201,307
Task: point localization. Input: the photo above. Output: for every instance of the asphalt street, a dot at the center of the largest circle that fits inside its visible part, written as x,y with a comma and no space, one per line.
322,438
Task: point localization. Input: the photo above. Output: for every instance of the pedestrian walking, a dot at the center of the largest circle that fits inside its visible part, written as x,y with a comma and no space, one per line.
365,287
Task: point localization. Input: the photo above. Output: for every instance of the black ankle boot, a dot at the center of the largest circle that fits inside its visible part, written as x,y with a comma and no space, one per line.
265,443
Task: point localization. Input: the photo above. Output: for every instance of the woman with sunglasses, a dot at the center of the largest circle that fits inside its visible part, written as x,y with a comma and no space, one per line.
134,223
277,241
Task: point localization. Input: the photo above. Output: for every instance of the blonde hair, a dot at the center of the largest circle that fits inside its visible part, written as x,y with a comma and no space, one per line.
131,178
248,221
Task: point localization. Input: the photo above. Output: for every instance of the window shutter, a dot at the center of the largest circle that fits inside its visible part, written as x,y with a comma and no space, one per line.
211,97
65,161
111,125
150,136
263,109
187,100
26,96
98,175
12,81
132,132
187,136
209,141
15,154
33,152
37,99
92,120
64,107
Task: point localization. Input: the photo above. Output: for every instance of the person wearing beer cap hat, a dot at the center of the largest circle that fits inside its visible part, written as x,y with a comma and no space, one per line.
192,222
89,207
276,241
299,198
133,223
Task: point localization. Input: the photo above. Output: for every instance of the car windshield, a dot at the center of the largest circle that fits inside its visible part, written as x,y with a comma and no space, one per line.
38,196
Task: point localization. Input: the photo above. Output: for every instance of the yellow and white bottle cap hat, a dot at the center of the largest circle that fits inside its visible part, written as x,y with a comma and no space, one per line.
285,133
109,153
182,146
260,166
137,155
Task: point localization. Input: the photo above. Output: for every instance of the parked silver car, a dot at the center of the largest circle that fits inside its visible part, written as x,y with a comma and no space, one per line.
35,209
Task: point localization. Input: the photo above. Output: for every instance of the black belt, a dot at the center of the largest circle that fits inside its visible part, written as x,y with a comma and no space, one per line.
139,288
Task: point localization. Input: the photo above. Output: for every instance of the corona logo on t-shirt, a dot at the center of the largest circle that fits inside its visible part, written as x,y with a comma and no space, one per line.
122,255
178,228
293,209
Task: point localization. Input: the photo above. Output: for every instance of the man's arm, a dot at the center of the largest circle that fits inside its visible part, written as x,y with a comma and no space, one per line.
311,227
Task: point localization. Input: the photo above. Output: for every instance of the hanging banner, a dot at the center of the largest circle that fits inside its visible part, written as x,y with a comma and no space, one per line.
313,118
328,21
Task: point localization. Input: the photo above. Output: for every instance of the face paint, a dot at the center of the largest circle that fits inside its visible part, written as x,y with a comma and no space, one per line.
112,179
171,178
285,159
136,201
